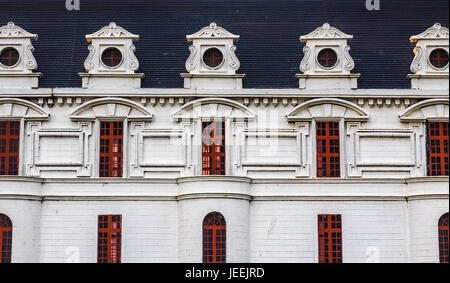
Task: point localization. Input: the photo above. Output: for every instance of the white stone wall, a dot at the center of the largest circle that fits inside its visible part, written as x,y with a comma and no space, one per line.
373,231
423,219
191,216
270,197
69,230
25,216
267,221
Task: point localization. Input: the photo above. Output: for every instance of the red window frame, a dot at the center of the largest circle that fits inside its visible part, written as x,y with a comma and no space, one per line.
214,238
213,57
330,238
111,149
327,58
109,245
444,239
9,57
439,58
5,239
112,57
213,148
328,150
9,147
438,148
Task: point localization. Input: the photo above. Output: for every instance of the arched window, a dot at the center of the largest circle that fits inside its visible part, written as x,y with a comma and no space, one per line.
214,238
5,239
443,239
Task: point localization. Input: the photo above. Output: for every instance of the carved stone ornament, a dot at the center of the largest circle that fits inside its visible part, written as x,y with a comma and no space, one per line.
212,40
13,31
437,31
316,75
212,31
112,31
305,65
424,75
20,74
417,62
326,32
123,73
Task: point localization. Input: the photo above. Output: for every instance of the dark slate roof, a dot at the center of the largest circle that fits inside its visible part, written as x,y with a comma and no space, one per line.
269,47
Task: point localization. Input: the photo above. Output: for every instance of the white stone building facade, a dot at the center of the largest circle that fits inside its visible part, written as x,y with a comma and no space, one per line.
271,182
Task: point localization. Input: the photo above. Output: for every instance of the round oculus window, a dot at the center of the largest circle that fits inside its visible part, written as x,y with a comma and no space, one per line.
112,57
439,58
327,58
213,58
9,57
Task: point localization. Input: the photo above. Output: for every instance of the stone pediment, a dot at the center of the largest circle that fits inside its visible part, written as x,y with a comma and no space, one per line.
211,32
327,108
428,110
212,108
435,32
326,32
19,108
111,32
13,31
111,108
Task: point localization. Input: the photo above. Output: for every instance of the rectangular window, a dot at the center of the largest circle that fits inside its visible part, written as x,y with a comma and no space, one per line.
437,149
213,148
328,152
9,147
330,239
109,239
111,149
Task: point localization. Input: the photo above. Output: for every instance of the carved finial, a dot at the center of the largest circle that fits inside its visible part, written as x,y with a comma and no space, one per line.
112,25
326,26
213,25
11,24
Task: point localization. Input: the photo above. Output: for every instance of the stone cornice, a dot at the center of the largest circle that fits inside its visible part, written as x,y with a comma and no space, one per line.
181,92
340,194
180,180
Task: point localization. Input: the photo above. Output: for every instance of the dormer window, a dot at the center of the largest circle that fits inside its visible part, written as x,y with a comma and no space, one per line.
112,57
327,63
213,58
327,58
439,58
17,63
430,65
9,57
111,61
